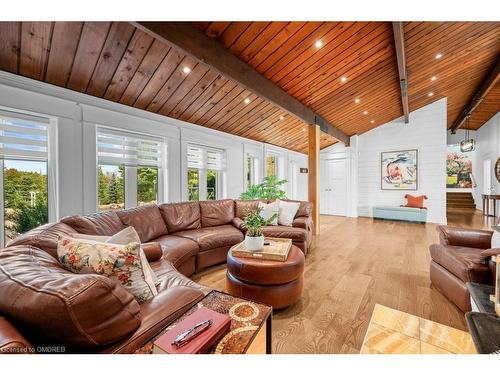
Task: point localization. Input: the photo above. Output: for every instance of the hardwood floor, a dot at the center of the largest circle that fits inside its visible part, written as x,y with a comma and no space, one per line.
354,264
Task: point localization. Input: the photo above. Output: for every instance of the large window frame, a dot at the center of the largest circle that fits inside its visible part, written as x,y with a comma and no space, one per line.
279,168
131,175
252,172
50,159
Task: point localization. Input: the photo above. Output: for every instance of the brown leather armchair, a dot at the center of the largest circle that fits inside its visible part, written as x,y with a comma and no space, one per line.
463,255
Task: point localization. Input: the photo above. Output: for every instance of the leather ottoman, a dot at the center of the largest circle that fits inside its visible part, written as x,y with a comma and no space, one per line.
274,283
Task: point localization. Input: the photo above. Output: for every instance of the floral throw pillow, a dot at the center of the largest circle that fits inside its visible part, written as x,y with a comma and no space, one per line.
123,263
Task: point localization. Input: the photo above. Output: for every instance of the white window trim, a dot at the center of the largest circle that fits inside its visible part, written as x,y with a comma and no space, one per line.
130,178
52,170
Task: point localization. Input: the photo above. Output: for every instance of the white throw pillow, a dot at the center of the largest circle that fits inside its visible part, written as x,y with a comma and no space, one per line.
495,239
287,212
124,237
269,210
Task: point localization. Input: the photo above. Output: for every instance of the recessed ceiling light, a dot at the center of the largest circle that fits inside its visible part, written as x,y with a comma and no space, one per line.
430,94
303,129
186,70
246,101
365,112
282,118
343,79
438,56
357,100
433,78
372,121
318,44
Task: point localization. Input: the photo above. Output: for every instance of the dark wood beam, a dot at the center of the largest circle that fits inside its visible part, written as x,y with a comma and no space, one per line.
194,42
478,97
399,41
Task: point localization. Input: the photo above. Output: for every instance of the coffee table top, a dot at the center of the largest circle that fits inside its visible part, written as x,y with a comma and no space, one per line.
395,332
246,320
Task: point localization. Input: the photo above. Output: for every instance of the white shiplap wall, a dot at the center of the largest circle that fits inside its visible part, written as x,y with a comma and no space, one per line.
425,132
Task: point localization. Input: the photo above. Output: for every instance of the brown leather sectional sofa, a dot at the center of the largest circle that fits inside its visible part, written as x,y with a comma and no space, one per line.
45,308
463,255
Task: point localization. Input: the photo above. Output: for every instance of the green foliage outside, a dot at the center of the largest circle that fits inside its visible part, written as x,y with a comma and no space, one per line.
194,184
147,185
271,188
25,201
253,222
111,189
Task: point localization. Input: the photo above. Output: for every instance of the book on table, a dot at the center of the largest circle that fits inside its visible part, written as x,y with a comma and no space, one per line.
278,249
204,342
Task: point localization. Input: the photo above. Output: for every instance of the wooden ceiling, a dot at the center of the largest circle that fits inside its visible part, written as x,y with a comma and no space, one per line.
118,62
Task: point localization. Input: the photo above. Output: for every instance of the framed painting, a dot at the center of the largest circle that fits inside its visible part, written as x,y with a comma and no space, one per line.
399,170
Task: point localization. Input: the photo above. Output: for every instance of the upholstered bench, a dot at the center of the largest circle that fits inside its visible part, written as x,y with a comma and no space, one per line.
400,213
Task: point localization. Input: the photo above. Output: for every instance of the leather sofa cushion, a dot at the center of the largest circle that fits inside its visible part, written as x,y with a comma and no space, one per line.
152,250
75,310
44,237
279,231
169,277
146,220
101,224
177,250
181,216
214,213
240,207
465,263
213,237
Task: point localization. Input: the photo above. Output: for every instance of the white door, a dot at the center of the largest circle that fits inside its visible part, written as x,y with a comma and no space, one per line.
333,184
487,176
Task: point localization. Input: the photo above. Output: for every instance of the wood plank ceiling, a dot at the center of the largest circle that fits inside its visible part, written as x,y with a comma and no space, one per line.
351,79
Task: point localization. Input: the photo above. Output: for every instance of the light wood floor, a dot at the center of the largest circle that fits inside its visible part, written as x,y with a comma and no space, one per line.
355,263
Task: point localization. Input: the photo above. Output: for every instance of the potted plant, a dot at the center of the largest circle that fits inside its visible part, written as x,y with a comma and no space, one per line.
253,223
271,188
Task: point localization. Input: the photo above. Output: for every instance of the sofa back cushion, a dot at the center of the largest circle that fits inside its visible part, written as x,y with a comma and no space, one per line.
101,223
214,213
181,216
56,306
44,237
146,220
240,207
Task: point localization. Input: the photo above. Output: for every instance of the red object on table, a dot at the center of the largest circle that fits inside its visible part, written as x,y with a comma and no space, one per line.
221,324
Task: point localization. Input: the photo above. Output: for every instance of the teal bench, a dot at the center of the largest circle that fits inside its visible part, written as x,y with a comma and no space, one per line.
400,213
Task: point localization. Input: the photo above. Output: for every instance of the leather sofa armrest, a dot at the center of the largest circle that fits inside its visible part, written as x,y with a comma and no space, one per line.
304,222
238,223
152,250
488,253
474,238
157,313
11,341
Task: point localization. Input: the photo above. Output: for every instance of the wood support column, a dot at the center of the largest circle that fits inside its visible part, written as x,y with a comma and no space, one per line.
314,138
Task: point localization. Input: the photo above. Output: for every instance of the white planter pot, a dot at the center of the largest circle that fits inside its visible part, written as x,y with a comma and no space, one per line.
254,243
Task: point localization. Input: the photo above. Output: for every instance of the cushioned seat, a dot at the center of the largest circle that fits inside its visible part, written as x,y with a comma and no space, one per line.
179,251
466,263
169,277
295,234
213,237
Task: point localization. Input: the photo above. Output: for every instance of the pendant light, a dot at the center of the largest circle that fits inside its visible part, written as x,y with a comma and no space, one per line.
468,144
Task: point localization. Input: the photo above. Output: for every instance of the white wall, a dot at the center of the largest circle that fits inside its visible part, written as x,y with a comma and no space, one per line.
77,116
487,147
425,132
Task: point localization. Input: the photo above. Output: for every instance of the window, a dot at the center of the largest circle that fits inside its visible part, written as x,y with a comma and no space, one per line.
205,167
130,168
147,186
272,165
251,170
24,150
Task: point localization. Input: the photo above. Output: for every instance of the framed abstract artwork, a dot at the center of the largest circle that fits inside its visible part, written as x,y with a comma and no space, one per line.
399,170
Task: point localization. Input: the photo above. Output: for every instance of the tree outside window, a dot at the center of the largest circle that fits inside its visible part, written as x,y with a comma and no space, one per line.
147,186
111,187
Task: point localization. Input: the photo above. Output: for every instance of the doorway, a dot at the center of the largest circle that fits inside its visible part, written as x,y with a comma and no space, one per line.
333,182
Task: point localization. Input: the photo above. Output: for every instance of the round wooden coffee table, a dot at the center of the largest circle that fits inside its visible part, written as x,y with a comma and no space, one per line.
274,283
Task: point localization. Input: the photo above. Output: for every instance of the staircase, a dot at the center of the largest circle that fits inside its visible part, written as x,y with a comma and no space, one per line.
460,200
